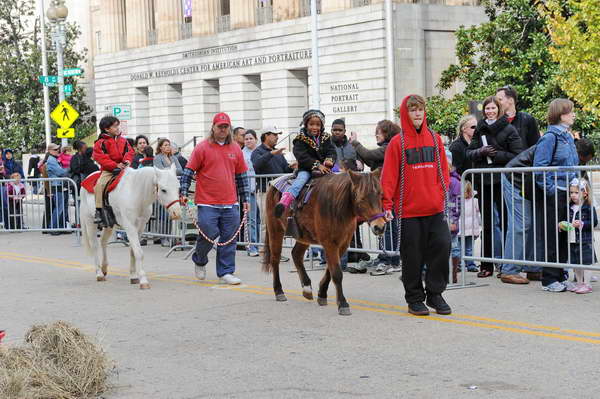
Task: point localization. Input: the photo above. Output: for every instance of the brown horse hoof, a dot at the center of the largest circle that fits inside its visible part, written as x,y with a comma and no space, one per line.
344,311
105,273
144,286
134,281
100,278
322,301
280,298
308,295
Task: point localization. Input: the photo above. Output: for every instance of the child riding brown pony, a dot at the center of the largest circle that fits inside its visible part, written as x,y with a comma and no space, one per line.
328,218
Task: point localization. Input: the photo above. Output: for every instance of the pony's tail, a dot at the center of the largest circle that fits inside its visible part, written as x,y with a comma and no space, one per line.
266,262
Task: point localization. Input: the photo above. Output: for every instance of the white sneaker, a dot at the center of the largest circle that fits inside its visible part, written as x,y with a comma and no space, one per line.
200,272
230,279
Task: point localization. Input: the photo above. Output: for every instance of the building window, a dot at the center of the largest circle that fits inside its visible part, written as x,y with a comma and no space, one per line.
99,41
264,12
223,20
186,24
305,7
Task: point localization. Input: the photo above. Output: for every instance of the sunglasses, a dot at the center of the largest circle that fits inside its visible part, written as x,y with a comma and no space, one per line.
473,127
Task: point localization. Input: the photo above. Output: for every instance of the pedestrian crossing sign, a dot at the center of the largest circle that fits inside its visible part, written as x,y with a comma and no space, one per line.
64,115
65,133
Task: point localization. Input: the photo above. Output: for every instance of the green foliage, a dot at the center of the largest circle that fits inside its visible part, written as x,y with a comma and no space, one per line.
576,48
512,48
21,94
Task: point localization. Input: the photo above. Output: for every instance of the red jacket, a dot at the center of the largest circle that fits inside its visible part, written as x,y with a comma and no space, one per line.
423,192
110,151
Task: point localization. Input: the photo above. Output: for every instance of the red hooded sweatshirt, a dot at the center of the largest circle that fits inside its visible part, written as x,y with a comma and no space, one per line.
423,191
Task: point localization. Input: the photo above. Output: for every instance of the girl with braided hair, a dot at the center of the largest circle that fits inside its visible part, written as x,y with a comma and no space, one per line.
314,152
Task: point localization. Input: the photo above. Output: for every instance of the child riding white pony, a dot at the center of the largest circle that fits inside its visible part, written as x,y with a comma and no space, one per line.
131,202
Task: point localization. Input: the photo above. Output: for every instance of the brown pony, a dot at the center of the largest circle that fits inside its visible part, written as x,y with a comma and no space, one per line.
329,218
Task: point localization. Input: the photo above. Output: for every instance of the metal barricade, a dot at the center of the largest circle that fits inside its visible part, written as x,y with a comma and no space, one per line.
529,220
47,205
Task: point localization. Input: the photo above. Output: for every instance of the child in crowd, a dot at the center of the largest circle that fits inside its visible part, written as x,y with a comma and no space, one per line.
454,215
314,152
148,159
472,226
582,215
15,193
64,159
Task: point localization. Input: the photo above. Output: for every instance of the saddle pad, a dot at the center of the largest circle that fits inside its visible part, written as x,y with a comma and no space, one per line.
283,183
90,182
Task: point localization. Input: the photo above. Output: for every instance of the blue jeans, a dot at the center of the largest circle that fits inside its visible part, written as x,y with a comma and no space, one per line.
299,182
58,208
519,228
455,246
253,223
217,222
468,250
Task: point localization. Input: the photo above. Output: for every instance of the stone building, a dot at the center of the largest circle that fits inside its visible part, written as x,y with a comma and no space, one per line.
169,65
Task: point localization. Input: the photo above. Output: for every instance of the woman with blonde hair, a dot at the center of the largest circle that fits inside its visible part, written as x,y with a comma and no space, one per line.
465,131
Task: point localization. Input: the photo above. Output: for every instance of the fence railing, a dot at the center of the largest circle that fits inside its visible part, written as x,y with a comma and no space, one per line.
44,205
530,217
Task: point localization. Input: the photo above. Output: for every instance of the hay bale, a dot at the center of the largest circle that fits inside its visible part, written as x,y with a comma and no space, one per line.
57,361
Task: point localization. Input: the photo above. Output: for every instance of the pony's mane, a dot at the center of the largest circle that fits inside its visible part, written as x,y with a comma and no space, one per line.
334,196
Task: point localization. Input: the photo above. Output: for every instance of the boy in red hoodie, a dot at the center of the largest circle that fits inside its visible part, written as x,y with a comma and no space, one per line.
415,180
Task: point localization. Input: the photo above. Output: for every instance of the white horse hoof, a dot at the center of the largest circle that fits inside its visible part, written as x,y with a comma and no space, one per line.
144,286
100,278
134,281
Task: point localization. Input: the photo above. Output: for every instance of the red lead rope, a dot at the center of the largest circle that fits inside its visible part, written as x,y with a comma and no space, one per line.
213,242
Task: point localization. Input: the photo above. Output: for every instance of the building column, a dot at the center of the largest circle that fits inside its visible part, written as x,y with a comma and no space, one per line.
166,112
138,21
240,98
284,98
112,27
335,5
170,18
284,10
243,13
204,17
200,104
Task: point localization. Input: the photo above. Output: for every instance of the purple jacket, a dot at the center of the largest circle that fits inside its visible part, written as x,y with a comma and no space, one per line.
454,199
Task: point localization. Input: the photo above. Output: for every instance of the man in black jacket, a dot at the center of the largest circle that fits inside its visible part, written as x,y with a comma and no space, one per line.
525,124
268,160
519,216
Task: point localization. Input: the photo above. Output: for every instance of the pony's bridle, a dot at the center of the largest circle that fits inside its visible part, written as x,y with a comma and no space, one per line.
377,216
177,201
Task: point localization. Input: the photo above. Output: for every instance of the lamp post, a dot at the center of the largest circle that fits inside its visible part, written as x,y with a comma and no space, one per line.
57,14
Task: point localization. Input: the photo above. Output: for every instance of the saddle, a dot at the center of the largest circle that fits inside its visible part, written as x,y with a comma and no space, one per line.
90,182
281,184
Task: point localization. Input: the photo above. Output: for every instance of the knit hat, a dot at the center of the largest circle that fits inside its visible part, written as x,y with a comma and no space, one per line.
311,113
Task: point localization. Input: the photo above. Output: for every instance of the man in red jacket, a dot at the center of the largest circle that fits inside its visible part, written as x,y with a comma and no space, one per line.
415,180
113,153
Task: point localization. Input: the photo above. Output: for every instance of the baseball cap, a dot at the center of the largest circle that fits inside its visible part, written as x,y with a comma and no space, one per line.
221,119
270,129
52,146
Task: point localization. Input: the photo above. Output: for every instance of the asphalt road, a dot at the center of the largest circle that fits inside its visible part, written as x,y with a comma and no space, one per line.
188,339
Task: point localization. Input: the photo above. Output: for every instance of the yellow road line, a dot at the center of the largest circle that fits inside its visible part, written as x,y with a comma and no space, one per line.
479,321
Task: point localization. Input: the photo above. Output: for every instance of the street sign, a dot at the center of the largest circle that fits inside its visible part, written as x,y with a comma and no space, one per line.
48,80
123,112
68,89
72,72
65,133
64,115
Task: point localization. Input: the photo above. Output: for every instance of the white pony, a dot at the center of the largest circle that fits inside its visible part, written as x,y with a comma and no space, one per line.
131,202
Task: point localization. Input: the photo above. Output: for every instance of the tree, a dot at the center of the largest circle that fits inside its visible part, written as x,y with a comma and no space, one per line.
575,31
512,48
21,95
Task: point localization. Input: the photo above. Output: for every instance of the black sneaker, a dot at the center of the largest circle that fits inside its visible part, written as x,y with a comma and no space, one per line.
418,309
439,304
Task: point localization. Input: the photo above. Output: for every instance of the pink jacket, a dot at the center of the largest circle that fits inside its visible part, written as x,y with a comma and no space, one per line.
65,160
472,218
16,192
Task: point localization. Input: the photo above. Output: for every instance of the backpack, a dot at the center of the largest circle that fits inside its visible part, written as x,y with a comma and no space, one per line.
525,160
